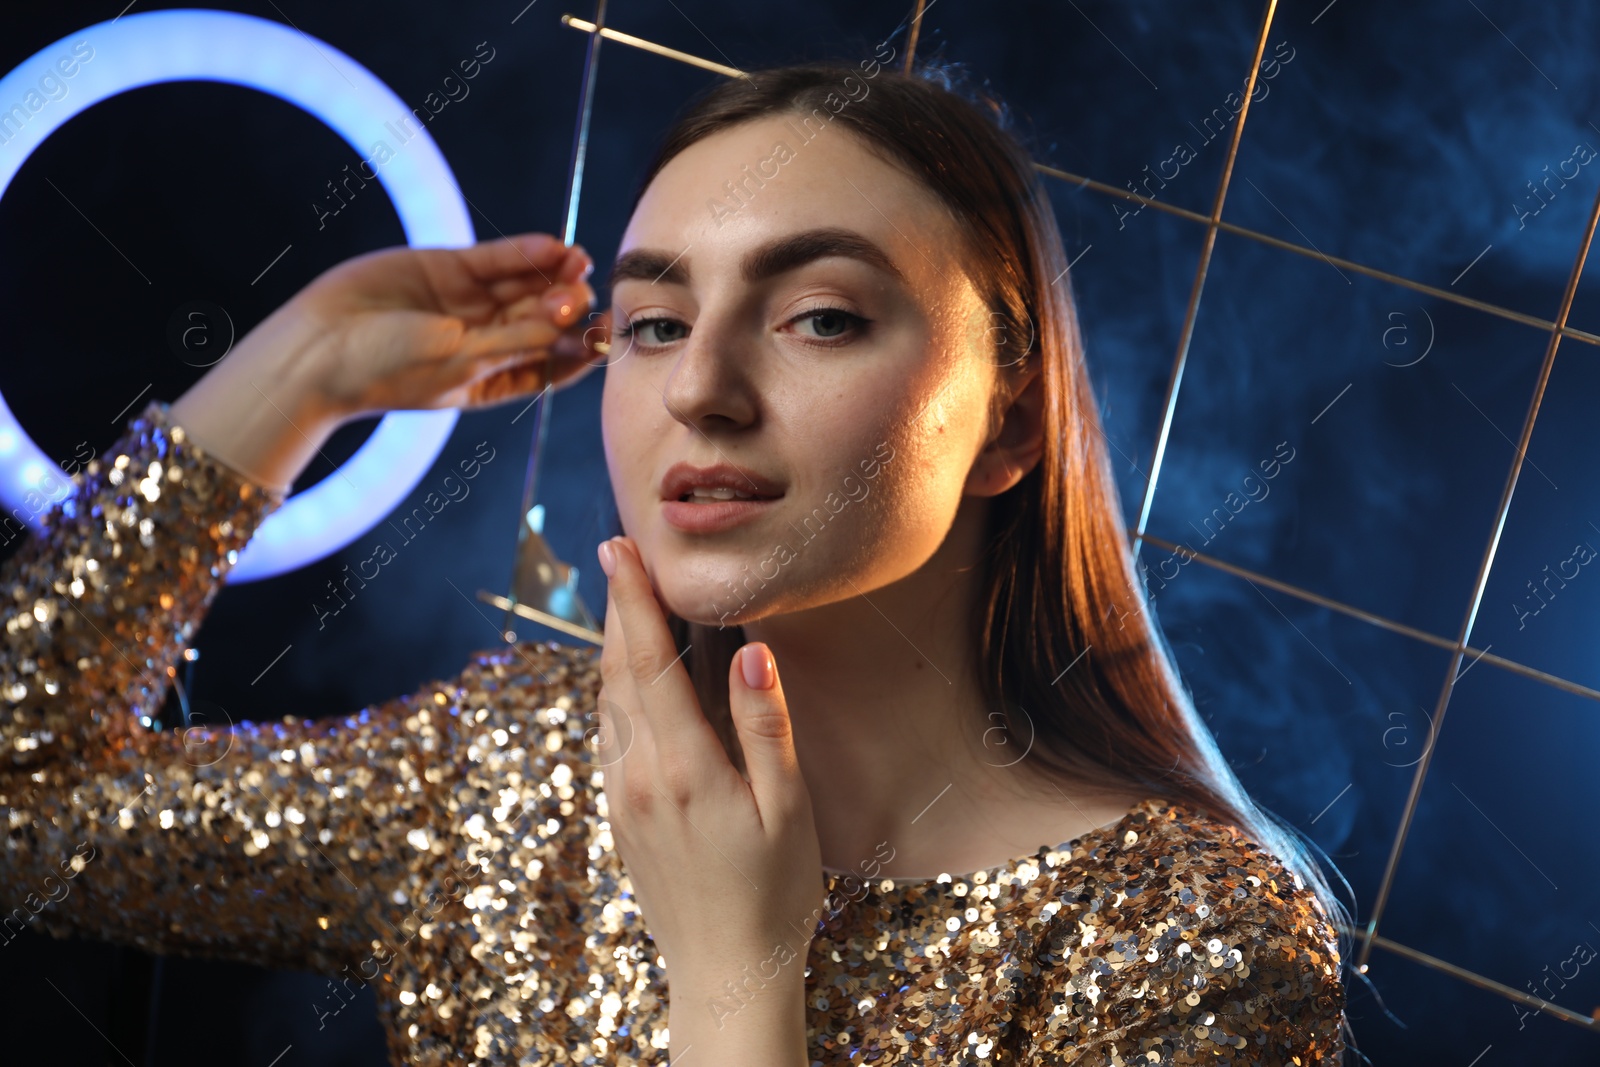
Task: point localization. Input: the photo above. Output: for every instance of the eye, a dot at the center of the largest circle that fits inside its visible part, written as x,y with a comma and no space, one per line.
654,332
829,323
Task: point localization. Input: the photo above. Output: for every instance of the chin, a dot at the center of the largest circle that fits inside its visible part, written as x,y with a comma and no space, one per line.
702,584
709,604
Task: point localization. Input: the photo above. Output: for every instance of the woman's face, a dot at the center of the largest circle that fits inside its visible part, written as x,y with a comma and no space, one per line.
815,328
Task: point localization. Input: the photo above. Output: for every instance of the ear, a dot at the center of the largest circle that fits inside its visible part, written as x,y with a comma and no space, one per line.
1019,442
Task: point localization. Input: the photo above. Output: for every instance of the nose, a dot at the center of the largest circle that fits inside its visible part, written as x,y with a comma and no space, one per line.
712,383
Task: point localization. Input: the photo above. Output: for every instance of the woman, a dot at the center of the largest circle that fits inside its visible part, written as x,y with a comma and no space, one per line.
918,647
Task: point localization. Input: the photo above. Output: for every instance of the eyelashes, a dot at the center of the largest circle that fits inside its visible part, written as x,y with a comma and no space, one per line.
637,332
632,331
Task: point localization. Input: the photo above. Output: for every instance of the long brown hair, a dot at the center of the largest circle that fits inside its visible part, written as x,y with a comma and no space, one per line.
1059,577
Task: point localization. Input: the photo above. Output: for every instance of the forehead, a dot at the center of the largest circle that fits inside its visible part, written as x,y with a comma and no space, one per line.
749,183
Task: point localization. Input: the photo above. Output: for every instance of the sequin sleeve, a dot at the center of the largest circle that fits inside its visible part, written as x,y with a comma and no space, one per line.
278,843
1190,946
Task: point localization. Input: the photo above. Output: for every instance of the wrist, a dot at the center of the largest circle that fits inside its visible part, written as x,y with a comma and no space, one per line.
286,358
257,411
720,1001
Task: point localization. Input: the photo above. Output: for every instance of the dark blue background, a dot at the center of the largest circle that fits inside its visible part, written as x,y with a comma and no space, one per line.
1402,137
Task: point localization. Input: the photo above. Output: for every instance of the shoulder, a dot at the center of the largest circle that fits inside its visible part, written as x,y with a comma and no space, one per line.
554,667
1203,875
1177,932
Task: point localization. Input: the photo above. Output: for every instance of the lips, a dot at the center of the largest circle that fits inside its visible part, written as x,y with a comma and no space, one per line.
683,478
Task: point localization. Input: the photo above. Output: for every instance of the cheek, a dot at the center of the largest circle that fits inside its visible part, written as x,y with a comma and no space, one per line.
627,431
893,462
608,440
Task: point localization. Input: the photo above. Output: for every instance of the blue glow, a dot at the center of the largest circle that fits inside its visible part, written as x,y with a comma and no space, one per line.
198,45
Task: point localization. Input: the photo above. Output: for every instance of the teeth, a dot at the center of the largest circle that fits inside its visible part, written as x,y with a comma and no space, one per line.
716,494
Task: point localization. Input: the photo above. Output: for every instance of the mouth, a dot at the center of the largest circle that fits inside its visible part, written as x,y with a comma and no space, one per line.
685,483
721,496
703,511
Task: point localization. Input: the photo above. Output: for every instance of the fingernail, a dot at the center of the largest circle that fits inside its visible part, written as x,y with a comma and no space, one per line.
608,559
756,662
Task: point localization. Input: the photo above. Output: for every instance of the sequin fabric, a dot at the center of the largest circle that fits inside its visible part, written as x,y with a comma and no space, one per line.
450,847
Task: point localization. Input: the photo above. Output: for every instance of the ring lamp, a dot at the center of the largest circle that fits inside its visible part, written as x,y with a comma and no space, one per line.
198,45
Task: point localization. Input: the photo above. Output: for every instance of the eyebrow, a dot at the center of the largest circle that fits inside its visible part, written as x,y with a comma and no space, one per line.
769,260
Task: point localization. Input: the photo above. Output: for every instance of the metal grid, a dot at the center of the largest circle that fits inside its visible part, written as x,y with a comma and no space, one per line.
1558,329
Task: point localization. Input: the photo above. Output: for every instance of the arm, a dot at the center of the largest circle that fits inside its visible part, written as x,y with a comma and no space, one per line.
278,844
769,1030
1254,980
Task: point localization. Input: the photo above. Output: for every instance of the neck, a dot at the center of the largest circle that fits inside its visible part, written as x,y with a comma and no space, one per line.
889,720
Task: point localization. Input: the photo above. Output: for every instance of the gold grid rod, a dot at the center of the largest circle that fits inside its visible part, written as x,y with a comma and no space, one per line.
1169,405
1557,330
650,46
1479,584
1270,241
916,31
1588,1022
1552,680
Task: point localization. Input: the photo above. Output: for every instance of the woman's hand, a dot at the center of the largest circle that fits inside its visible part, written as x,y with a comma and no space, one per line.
725,869
417,328
397,329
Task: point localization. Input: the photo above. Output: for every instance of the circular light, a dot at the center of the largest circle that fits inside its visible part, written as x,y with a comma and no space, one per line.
132,51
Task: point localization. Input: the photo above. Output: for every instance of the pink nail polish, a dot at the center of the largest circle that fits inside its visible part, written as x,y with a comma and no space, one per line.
756,662
608,558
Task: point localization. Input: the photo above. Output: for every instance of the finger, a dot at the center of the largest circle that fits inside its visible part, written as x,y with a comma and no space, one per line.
623,697
557,367
540,254
562,360
761,717
609,736
564,302
477,281
519,378
571,271
460,383
668,703
588,340
499,378
577,265
509,338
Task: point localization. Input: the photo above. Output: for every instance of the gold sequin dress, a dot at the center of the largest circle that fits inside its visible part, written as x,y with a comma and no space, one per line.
451,847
